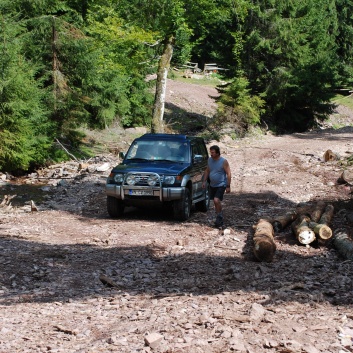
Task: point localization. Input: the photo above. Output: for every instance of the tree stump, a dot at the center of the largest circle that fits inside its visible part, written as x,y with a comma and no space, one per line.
303,233
264,244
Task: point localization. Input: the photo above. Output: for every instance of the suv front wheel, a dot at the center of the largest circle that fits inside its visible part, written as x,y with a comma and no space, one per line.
182,207
115,207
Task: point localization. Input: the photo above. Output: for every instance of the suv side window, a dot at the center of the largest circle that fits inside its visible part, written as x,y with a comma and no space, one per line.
203,150
195,151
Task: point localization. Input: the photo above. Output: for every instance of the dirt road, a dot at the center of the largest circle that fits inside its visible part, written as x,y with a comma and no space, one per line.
73,280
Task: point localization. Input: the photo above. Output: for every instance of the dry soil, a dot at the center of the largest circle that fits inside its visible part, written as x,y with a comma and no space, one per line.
74,280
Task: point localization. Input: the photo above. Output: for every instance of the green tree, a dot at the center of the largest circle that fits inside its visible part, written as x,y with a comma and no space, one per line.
290,59
23,120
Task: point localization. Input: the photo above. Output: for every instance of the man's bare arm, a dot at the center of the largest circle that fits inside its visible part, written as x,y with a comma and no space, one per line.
205,176
229,174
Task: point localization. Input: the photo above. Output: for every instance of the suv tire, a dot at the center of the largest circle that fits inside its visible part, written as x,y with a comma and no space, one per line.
115,207
204,205
182,207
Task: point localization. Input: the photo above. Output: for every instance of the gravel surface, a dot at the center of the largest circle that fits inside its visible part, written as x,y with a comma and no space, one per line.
74,280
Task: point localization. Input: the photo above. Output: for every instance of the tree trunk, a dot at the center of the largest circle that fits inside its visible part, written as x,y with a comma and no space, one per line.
344,245
264,244
281,222
157,124
302,231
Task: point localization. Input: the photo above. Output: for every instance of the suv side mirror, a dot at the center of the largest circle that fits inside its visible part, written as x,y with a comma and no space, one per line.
122,155
197,158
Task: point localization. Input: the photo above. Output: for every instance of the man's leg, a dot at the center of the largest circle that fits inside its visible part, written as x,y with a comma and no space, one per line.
217,205
219,215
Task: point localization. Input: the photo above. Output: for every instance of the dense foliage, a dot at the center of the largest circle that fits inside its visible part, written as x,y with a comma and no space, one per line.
68,63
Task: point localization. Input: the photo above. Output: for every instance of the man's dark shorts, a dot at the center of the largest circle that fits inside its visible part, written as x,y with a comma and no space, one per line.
217,192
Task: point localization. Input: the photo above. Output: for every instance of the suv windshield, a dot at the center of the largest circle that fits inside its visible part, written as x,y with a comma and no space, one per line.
174,151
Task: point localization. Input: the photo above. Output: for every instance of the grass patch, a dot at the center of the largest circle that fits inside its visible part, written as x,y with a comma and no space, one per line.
344,100
202,80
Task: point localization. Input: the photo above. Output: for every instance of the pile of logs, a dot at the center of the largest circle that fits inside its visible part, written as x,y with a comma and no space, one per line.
308,223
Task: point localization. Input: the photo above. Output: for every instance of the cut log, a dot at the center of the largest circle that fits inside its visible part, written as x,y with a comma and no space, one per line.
264,244
330,156
327,216
317,211
346,177
344,244
304,209
323,231
303,233
281,222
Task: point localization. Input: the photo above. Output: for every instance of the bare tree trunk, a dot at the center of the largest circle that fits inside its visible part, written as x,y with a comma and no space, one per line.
157,124
54,62
264,244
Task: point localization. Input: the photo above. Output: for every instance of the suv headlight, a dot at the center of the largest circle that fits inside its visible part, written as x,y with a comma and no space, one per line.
131,180
152,180
169,179
118,178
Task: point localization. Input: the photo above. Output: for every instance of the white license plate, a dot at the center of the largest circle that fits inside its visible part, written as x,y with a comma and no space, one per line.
141,192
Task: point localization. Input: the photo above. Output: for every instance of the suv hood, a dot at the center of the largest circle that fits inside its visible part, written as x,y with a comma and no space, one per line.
158,167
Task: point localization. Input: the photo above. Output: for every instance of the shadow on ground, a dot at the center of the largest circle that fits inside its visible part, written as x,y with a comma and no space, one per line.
39,272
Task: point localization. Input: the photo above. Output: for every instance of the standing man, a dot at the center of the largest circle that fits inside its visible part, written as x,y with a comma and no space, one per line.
219,175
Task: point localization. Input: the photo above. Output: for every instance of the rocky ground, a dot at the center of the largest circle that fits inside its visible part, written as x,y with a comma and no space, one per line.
74,280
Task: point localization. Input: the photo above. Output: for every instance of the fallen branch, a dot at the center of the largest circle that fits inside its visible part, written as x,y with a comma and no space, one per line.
108,281
70,154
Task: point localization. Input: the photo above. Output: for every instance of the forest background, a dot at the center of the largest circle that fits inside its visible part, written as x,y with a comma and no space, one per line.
70,64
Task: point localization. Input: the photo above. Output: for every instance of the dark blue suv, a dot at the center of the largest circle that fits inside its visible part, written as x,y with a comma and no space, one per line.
160,169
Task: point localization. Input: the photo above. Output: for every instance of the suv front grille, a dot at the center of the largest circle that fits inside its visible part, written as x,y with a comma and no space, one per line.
141,179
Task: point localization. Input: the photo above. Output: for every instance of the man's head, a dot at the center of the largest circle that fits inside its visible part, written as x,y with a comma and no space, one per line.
214,151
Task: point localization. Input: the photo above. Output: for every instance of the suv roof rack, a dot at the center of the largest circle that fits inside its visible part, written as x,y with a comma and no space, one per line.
150,136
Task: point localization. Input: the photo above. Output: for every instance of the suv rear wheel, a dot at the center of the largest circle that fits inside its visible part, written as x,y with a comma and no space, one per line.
115,207
182,207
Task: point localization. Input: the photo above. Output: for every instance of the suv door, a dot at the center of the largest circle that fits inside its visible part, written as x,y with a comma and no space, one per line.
198,166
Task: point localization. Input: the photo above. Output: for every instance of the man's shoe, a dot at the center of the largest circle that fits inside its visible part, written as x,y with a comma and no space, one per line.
219,222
